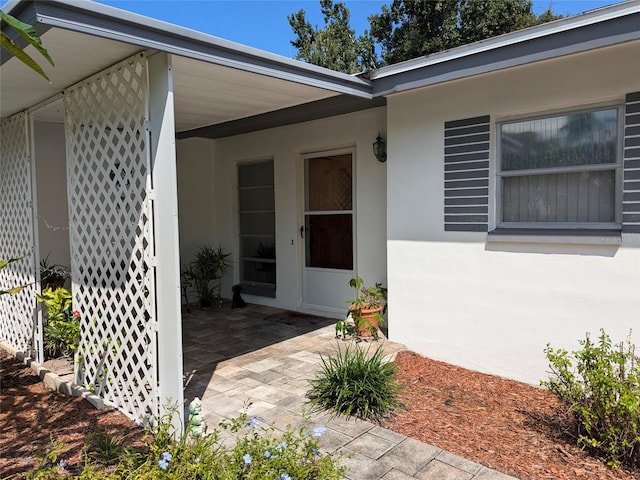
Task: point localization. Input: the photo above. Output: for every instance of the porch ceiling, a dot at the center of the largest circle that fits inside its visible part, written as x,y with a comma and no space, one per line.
208,94
204,93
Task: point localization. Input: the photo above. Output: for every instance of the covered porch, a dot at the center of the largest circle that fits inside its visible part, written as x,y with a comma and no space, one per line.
92,178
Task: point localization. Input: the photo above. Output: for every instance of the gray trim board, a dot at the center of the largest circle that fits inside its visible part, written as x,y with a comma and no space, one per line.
575,232
328,107
631,165
467,201
587,236
467,227
258,290
589,37
466,180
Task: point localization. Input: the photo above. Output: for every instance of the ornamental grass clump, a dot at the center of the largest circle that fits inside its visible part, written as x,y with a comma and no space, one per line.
602,391
355,383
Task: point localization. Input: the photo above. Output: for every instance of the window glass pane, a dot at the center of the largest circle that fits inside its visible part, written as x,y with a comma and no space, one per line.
255,174
585,138
256,204
328,183
257,224
258,247
564,197
259,272
257,198
329,241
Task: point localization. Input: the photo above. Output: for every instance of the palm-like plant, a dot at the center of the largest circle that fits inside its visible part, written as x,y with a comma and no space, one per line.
206,271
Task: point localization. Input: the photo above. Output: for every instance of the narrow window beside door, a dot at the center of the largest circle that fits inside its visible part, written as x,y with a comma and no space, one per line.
256,203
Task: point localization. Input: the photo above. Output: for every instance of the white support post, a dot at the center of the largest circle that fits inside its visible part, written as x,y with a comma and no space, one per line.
165,214
38,331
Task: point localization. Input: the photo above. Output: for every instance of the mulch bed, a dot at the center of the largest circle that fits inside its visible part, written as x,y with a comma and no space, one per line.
508,426
32,416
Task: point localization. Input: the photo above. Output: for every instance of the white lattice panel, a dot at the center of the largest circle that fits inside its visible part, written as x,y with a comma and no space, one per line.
17,312
110,225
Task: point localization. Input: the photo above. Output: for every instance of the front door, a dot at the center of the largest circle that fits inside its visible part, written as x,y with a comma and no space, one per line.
328,229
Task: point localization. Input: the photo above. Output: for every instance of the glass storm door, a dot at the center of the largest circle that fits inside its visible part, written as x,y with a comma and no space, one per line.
328,229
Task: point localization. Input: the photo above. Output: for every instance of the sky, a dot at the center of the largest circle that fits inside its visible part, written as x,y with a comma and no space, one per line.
263,23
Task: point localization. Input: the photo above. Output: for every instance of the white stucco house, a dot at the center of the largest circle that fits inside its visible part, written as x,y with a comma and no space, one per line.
506,216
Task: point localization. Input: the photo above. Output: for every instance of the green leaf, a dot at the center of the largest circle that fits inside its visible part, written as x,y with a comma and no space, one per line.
27,32
11,47
13,290
4,263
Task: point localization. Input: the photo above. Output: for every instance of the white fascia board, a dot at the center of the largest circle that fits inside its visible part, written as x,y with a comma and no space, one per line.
119,25
509,40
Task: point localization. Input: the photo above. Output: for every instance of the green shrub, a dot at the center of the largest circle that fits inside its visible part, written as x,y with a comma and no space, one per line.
603,392
62,325
258,453
356,383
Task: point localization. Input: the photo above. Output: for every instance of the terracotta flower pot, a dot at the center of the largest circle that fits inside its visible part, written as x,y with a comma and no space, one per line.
367,322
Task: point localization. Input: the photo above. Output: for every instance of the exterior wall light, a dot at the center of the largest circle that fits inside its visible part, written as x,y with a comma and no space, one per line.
380,149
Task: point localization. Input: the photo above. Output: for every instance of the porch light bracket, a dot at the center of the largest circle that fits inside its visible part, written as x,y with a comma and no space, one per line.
380,149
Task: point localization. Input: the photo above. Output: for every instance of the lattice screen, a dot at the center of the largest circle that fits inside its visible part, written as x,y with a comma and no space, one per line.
18,318
111,234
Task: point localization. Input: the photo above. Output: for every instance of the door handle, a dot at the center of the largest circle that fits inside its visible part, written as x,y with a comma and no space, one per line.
302,231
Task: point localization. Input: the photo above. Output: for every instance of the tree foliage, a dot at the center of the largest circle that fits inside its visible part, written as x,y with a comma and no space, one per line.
410,29
407,29
335,46
28,33
489,18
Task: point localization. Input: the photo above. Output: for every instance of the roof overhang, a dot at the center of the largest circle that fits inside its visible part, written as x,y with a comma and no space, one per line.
215,80
600,28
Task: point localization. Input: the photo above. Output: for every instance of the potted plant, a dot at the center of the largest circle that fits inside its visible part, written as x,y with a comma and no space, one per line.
205,272
367,308
52,275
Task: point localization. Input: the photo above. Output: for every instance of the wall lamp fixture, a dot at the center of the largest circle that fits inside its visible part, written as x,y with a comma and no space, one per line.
380,149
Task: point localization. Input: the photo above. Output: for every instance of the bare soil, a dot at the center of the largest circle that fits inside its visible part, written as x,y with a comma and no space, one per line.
505,425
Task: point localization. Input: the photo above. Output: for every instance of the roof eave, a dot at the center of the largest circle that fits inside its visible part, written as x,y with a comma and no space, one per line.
600,28
119,25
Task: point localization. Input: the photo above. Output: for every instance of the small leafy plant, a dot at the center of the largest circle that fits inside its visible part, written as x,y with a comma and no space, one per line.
365,310
355,383
52,275
258,452
602,391
62,328
205,272
103,448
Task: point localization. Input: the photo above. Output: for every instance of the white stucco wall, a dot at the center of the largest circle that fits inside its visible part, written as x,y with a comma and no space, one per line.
51,178
490,306
196,212
208,194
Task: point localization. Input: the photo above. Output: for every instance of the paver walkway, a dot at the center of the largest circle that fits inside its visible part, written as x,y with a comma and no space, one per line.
262,358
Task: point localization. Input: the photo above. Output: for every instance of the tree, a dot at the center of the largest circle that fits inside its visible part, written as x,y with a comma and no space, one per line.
480,20
29,33
410,29
413,28
335,46
407,29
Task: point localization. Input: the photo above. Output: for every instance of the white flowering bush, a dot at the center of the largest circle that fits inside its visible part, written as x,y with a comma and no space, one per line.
259,452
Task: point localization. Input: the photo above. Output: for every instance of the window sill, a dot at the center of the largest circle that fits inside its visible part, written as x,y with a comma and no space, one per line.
558,236
259,290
